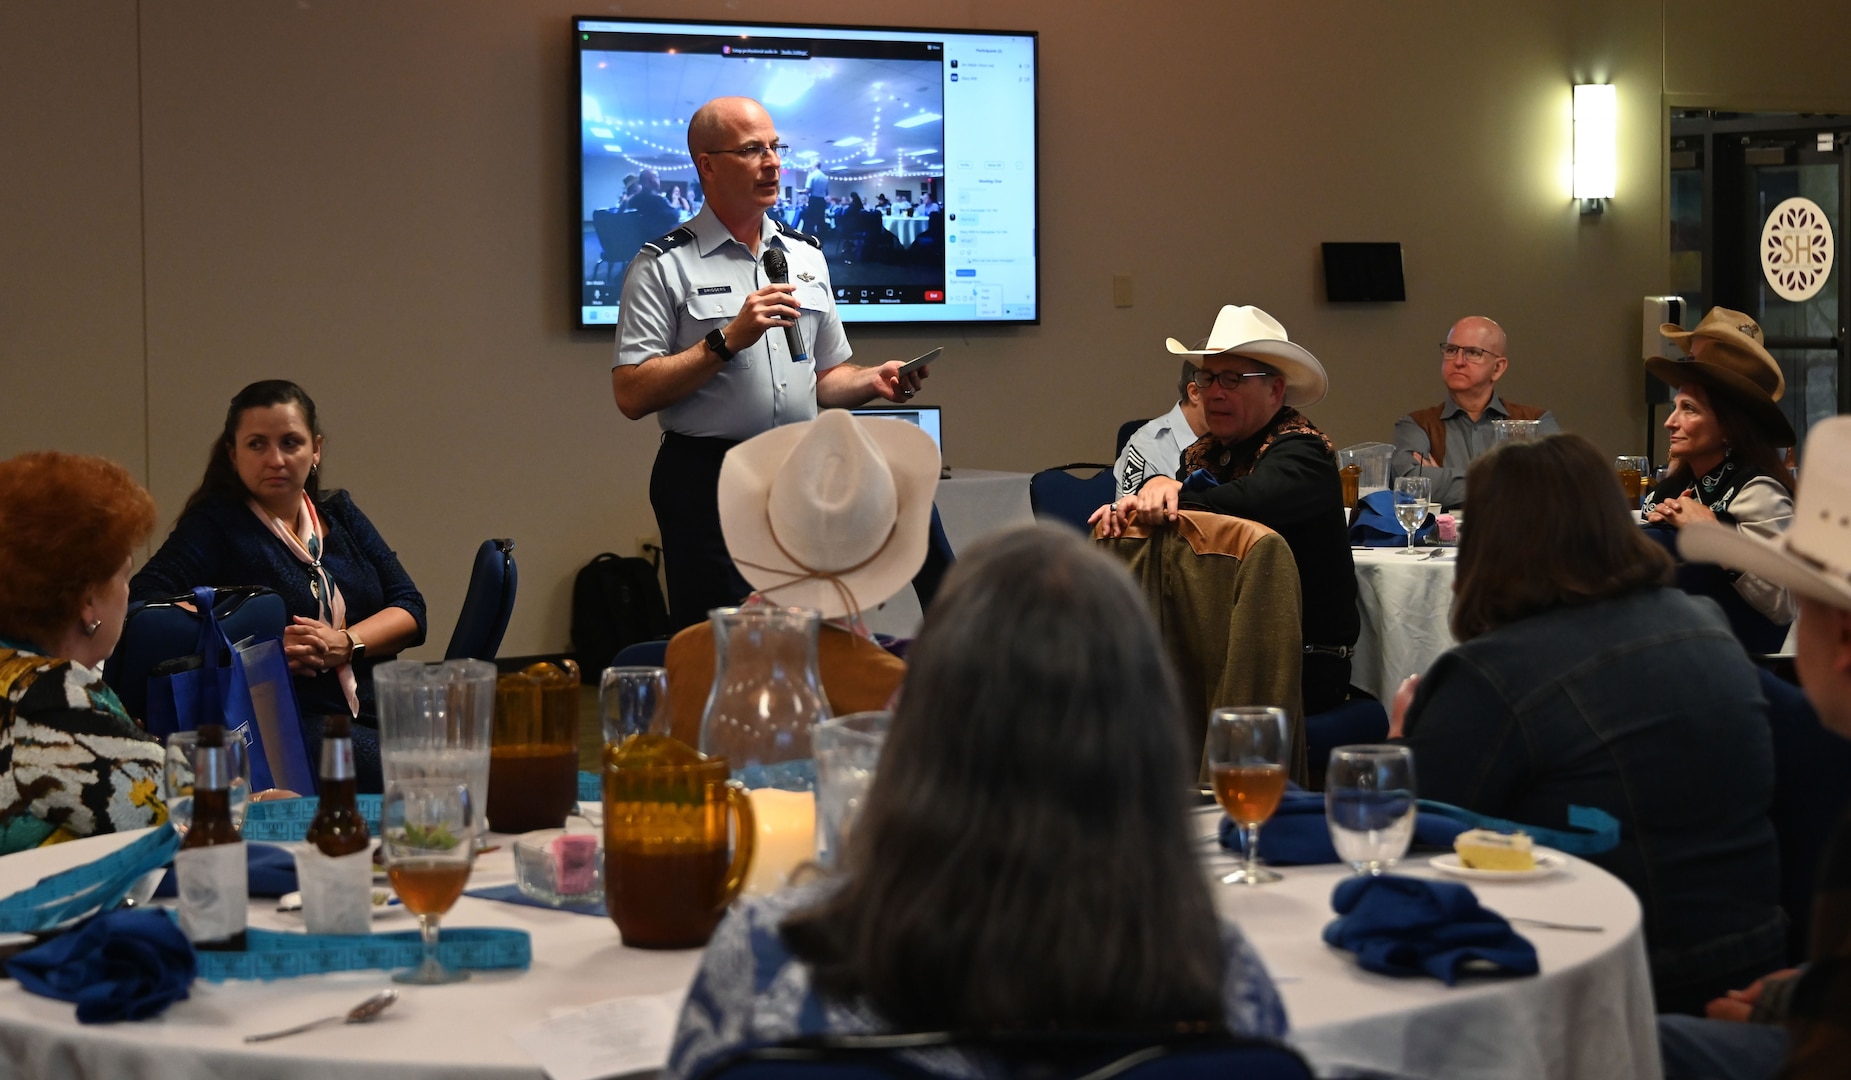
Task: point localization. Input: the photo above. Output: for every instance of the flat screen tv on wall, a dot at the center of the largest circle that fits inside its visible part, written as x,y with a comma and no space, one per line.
913,156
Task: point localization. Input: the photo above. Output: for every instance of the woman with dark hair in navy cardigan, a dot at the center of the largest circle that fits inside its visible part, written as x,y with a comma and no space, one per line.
259,518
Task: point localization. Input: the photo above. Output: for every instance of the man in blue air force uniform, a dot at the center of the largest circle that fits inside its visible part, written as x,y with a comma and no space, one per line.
701,343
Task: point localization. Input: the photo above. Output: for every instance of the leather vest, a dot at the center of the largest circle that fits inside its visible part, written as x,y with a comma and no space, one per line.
1430,422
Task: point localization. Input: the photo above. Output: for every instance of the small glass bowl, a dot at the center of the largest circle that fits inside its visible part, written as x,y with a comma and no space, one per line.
560,867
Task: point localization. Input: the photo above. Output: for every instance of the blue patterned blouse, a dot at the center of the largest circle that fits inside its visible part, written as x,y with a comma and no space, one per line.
751,991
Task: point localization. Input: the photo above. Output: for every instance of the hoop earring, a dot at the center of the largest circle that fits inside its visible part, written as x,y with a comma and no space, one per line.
314,468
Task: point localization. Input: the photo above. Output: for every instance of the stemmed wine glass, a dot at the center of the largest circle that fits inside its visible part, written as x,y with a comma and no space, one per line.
1248,749
1411,504
429,825
1369,805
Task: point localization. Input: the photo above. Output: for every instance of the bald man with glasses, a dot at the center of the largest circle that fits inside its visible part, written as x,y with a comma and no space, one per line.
1441,441
701,344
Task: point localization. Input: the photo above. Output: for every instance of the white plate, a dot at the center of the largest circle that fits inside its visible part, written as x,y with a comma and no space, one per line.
1547,862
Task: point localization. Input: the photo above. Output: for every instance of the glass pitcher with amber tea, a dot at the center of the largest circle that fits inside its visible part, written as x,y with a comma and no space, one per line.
533,750
668,874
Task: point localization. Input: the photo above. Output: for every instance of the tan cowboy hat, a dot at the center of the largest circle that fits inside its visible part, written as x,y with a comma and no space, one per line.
1813,557
1250,332
832,513
1733,362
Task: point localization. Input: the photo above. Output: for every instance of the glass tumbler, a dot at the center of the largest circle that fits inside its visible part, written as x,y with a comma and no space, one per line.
1369,805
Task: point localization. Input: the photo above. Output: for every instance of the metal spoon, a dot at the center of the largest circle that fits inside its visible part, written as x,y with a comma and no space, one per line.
364,1013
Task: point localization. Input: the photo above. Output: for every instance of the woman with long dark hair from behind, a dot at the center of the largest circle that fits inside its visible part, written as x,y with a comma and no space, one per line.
1023,860
1583,679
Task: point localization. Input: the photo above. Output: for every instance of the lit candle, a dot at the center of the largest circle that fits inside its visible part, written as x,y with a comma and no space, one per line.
785,838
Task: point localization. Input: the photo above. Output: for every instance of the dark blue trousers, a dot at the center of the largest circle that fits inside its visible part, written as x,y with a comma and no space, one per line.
683,490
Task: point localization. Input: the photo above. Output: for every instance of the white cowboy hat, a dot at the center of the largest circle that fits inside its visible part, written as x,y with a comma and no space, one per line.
1250,332
1813,557
830,513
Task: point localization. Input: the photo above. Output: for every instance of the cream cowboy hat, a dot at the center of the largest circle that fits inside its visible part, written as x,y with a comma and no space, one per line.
1813,557
832,513
1250,332
1734,363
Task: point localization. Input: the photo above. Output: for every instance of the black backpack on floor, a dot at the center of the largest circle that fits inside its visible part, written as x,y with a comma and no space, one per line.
616,602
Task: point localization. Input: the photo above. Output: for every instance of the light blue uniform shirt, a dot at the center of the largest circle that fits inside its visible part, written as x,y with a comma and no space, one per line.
1156,449
673,299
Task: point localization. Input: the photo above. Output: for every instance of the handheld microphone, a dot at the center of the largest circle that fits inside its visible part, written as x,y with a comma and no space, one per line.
778,270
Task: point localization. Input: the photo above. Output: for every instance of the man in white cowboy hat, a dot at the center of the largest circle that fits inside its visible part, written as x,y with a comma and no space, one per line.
702,341
1813,560
1440,442
832,514
1263,460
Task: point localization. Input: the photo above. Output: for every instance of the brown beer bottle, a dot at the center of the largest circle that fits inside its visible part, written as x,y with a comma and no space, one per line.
212,864
338,828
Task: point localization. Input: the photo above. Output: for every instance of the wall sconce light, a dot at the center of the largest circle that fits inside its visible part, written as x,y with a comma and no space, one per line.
1596,145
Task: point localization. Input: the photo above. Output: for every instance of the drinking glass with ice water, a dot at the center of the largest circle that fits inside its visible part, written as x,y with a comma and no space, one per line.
1248,750
1369,805
847,749
1412,502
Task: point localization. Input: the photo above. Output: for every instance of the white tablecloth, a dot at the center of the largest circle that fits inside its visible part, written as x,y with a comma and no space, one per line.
1587,1016
1405,602
974,503
433,1033
904,229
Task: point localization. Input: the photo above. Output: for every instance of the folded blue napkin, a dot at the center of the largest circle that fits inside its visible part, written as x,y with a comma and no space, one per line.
272,872
120,965
1297,835
1403,926
1376,525
1200,480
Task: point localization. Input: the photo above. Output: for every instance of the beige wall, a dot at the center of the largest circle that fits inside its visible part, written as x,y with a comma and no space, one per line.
374,198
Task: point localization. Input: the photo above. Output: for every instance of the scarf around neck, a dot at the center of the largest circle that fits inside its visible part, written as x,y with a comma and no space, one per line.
333,607
1232,462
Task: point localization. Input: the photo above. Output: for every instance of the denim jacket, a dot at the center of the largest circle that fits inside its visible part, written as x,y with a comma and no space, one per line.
1644,706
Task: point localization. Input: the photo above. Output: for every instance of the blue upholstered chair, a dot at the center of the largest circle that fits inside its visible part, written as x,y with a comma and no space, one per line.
161,630
641,654
488,604
1058,495
1125,431
938,560
1044,1057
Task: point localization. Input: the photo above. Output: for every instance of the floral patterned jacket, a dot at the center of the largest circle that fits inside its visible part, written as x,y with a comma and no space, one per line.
72,763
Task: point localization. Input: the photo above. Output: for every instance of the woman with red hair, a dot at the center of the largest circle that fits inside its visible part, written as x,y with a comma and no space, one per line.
72,763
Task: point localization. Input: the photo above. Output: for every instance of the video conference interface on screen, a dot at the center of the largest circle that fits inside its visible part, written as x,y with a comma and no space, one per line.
912,157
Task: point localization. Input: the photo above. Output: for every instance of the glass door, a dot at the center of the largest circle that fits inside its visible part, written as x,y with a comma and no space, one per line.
1728,173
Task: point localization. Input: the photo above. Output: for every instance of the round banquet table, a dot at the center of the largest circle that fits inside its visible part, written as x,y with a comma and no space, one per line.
904,229
1405,602
1588,1015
